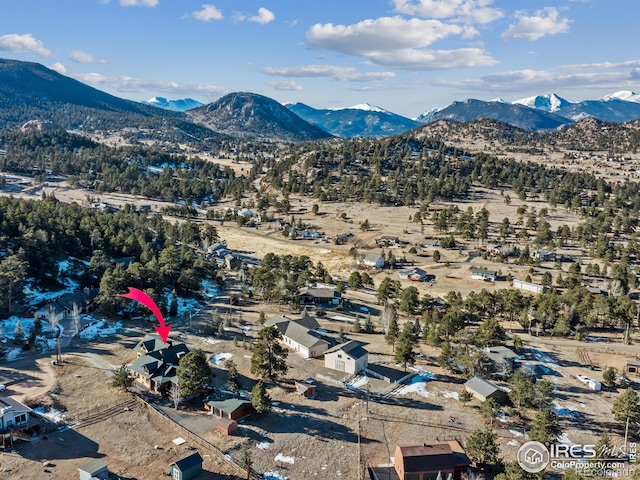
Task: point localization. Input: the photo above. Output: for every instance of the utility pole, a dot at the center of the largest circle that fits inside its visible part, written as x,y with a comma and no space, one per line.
626,432
359,455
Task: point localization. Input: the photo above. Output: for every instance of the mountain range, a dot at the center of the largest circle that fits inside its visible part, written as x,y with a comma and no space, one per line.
362,120
30,91
180,105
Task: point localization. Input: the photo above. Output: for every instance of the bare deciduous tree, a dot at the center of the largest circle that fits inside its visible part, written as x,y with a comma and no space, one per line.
75,315
176,396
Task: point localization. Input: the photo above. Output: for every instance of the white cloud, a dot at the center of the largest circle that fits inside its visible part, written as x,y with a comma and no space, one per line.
466,11
543,23
382,34
207,13
396,42
529,80
413,59
131,85
58,67
79,56
285,85
264,16
25,43
345,74
139,3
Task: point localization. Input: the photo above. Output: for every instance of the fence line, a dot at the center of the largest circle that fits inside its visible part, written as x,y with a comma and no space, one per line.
198,440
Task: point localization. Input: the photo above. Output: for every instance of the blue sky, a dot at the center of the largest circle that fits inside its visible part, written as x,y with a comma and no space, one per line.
403,55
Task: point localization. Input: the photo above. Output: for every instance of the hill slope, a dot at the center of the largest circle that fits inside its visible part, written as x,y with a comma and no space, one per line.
30,91
253,116
357,121
517,115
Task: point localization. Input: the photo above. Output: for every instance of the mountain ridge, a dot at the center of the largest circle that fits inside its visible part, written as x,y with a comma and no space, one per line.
253,116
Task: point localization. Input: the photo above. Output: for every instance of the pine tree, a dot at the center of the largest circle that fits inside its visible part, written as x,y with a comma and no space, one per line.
482,447
341,336
626,407
393,331
260,398
262,318
232,379
407,340
357,327
122,378
173,305
269,356
18,334
609,377
545,428
369,327
194,374
489,410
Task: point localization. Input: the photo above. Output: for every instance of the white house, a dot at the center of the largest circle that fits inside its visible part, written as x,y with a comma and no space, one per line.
347,357
374,260
528,287
14,415
300,335
483,274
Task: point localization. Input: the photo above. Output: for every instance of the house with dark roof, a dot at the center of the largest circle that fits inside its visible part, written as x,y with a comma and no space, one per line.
349,357
156,365
632,367
502,357
231,408
319,296
62,307
300,335
483,389
414,274
187,468
427,461
95,469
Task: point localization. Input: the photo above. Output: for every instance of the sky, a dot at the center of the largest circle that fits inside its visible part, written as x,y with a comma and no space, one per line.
406,56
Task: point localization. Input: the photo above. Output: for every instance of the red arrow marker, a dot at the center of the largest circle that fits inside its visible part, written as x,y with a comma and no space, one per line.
139,296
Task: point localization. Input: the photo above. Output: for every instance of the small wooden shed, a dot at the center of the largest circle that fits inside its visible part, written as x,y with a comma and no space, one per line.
187,468
305,389
226,426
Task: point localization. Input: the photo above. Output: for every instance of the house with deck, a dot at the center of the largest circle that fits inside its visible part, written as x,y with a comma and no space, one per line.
372,260
319,296
157,362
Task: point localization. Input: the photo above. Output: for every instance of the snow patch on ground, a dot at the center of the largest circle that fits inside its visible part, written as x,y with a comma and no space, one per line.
449,394
211,341
34,296
516,433
272,475
220,358
543,357
564,439
418,384
99,328
513,443
359,381
563,411
501,417
264,445
282,458
51,414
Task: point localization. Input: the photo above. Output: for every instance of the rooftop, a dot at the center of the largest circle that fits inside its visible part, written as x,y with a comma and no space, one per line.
352,348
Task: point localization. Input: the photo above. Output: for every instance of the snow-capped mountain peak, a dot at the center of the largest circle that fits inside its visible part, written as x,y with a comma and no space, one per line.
426,116
549,102
181,105
626,95
367,107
